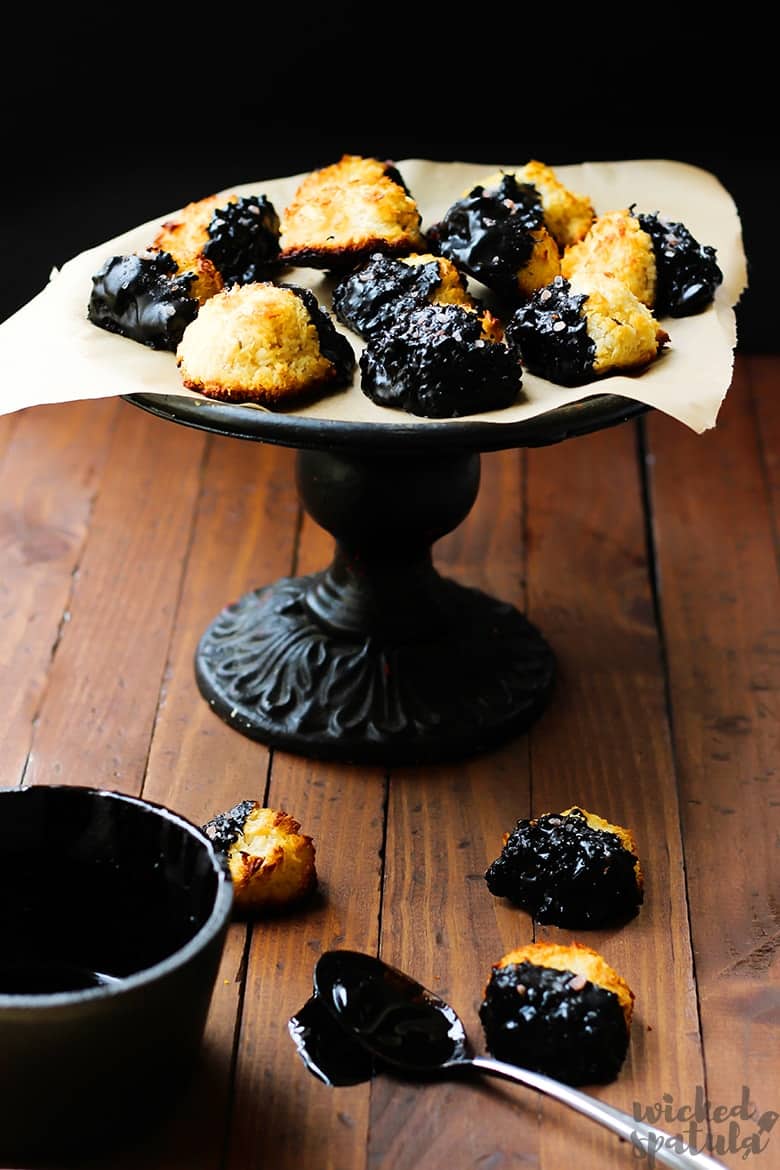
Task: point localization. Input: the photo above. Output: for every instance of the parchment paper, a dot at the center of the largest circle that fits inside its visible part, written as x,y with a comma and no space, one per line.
50,352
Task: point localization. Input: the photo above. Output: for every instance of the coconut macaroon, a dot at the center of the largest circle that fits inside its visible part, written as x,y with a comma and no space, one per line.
496,233
440,361
272,864
574,331
616,245
567,215
384,289
688,274
143,296
343,212
572,869
659,259
560,1010
223,240
264,343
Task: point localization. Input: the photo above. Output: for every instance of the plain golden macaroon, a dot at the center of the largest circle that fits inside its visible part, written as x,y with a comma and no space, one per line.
616,245
343,212
264,343
272,863
559,1009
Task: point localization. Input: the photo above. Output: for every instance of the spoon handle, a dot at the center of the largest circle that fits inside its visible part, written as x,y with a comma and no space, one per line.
646,1141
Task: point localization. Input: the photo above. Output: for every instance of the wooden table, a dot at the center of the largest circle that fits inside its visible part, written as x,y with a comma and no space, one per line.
645,554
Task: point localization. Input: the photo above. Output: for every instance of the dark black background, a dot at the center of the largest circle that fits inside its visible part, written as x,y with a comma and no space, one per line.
89,173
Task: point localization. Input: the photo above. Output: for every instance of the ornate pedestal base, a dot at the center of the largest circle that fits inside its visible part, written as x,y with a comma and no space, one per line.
378,658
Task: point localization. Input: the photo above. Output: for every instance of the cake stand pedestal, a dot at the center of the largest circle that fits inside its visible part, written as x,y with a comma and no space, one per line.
378,658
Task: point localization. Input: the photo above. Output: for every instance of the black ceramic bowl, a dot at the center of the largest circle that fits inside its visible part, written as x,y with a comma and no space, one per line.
113,913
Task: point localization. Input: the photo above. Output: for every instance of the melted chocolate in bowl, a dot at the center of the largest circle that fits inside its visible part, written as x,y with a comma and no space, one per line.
93,892
113,915
48,978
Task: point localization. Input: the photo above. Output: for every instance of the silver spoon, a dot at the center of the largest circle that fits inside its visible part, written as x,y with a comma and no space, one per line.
407,1027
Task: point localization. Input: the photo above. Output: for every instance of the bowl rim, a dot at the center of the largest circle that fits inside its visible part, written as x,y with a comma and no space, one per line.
218,918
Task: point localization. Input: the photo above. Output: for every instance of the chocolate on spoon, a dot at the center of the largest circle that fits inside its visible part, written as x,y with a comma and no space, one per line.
410,1030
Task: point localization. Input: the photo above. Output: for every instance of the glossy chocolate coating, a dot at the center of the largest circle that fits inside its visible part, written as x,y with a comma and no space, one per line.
397,1019
550,334
243,240
488,233
144,298
562,871
382,291
333,345
555,1023
687,271
437,364
225,828
326,1049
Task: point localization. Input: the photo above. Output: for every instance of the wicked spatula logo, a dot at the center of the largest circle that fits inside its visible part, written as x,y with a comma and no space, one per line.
702,1126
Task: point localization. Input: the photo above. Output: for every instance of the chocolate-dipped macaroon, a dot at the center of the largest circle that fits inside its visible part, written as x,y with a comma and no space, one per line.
143,297
575,331
497,235
379,293
267,343
442,361
559,1010
571,869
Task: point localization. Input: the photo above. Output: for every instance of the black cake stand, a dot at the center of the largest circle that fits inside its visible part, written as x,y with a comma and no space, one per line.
379,658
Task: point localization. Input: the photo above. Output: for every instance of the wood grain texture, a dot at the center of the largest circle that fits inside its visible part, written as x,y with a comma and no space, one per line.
283,1115
243,537
763,379
96,720
604,744
720,605
440,922
49,476
8,425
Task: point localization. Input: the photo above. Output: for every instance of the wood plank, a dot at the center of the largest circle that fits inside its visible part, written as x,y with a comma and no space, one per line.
763,374
279,1106
720,605
96,719
244,537
49,475
8,424
604,743
439,921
